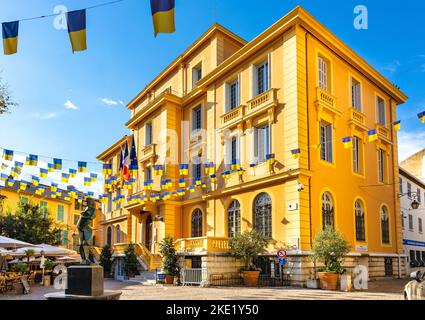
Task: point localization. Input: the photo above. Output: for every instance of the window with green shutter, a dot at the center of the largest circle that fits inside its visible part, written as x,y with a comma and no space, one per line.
43,208
65,237
24,200
61,213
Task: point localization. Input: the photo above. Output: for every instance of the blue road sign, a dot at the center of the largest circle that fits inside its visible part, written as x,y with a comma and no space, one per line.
161,276
282,261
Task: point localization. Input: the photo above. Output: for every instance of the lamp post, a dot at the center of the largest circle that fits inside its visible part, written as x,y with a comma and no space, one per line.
414,204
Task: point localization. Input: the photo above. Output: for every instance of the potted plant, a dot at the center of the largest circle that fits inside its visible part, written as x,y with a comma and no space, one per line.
248,246
330,247
106,260
48,268
170,260
130,261
313,282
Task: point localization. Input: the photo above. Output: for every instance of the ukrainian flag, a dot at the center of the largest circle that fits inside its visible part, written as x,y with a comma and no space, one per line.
184,169
421,117
163,16
158,170
54,187
271,158
8,155
3,166
35,181
40,190
82,166
65,177
50,167
107,169
296,153
87,182
397,125
43,173
72,173
213,178
10,37
348,142
373,136
77,29
23,185
57,164
93,177
10,182
235,165
198,182
32,160
3,177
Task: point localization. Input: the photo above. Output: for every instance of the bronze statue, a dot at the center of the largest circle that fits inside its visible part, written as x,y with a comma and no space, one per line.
85,230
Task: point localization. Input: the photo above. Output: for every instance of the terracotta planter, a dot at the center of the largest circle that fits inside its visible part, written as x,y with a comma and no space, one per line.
329,280
250,278
169,279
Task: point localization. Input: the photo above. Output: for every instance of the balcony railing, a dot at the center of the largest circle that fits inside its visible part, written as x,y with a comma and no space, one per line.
151,260
264,100
358,117
204,244
148,152
326,98
233,115
383,132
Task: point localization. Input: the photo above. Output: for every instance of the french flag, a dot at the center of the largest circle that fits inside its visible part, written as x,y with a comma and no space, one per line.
126,164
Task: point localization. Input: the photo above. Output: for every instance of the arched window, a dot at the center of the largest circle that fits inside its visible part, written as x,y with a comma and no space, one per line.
263,214
327,210
197,224
109,237
118,231
385,225
234,219
360,224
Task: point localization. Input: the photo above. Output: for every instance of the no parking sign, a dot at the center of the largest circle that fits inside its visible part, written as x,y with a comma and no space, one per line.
281,254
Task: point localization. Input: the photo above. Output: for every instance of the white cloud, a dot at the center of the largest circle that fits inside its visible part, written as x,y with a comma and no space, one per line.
46,116
392,67
70,106
111,102
410,143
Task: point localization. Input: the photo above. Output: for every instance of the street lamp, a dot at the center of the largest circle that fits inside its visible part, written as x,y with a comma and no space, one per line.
415,204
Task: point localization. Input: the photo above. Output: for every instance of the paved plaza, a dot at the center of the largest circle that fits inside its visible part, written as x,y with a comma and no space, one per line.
378,290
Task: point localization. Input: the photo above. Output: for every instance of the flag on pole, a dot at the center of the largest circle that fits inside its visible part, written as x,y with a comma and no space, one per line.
76,21
134,167
373,135
348,142
125,173
421,117
10,37
163,16
397,125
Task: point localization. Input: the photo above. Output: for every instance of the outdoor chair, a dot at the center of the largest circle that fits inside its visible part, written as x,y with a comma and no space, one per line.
31,278
2,284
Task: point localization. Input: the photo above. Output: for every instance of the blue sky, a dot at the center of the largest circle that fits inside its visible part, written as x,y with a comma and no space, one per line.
71,105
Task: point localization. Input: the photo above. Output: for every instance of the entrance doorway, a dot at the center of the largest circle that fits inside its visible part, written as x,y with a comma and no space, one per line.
148,234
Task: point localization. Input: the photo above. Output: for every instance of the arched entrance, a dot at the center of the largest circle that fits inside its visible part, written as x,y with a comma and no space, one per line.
148,233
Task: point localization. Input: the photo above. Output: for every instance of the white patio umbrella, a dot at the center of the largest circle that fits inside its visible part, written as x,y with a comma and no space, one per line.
44,249
10,243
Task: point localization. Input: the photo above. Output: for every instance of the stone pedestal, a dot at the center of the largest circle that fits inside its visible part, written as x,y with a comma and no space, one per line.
85,283
85,280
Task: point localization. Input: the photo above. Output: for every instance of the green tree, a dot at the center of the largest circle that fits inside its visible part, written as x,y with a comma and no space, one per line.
330,247
30,225
170,261
248,246
130,260
106,259
6,100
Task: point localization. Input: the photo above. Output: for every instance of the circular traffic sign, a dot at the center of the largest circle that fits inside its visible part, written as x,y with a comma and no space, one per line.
281,254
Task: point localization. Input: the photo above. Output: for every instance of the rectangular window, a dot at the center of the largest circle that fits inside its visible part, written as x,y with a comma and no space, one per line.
24,200
77,205
418,195
148,134
197,118
118,205
61,213
402,220
410,222
409,190
76,218
43,208
400,185
232,95
235,156
356,98
381,112
262,77
326,152
196,169
148,173
196,75
261,143
323,73
412,255
420,225
357,155
109,208
65,235
381,165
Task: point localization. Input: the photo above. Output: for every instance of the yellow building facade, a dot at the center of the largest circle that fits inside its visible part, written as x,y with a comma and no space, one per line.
65,213
227,101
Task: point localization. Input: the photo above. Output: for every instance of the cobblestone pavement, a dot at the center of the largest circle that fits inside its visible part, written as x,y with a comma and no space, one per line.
379,290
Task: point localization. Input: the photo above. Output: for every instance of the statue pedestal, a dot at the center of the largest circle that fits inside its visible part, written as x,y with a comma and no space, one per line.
85,283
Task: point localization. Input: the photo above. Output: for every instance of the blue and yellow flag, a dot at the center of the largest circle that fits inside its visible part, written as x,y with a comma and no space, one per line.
271,158
87,182
65,177
421,117
93,177
226,175
182,183
77,29
235,165
3,177
158,170
72,173
35,181
82,166
10,182
40,190
23,185
43,173
54,187
57,164
198,182
18,166
8,155
50,167
373,135
3,166
32,160
184,169
213,178
348,142
10,37
107,169
296,153
163,16
397,125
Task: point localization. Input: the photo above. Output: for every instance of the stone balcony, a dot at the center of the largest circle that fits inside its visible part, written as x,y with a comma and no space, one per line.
265,102
233,117
148,153
383,132
358,119
326,103
202,245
